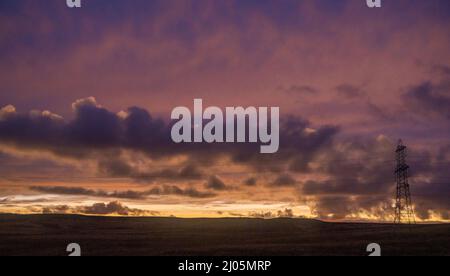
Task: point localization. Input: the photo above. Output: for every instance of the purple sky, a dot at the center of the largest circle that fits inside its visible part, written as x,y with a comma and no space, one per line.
349,80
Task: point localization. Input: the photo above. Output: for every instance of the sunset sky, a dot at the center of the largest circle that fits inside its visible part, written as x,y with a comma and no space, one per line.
86,96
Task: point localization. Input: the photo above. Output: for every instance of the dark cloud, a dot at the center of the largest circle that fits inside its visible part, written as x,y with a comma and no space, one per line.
430,99
343,207
93,130
174,190
304,144
336,207
59,190
382,114
357,166
360,179
299,90
14,202
116,168
111,208
286,213
441,69
284,180
252,181
261,215
355,172
431,195
114,207
60,209
119,168
215,183
166,190
63,190
96,132
189,172
349,91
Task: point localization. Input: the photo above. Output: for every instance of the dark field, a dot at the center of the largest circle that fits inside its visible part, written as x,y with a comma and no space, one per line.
50,234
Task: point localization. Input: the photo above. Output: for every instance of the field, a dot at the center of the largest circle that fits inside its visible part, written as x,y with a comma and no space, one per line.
50,235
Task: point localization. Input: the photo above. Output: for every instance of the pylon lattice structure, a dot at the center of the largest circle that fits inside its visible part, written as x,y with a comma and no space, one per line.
404,212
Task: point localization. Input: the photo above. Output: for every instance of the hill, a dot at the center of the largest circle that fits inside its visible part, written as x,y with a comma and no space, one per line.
50,235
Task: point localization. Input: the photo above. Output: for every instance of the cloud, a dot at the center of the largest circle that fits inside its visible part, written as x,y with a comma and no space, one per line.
284,180
96,132
117,167
79,104
111,208
216,183
63,190
114,207
441,69
430,99
299,90
353,170
252,181
4,200
359,180
60,209
7,111
79,191
189,172
430,185
286,213
174,190
93,129
60,190
345,207
349,91
357,177
336,207
245,46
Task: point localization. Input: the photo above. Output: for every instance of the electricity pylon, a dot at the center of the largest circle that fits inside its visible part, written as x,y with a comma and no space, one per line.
404,212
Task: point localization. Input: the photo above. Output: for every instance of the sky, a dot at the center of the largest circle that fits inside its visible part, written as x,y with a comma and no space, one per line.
86,96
